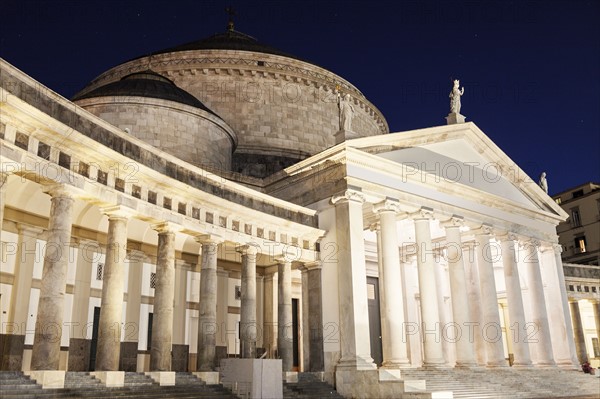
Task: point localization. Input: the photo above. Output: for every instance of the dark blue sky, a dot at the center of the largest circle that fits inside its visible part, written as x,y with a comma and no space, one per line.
531,70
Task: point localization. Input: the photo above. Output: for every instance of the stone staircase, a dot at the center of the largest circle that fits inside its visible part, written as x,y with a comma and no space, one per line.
309,386
137,386
508,383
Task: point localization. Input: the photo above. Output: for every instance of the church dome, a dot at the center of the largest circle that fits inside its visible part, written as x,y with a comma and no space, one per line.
145,84
281,108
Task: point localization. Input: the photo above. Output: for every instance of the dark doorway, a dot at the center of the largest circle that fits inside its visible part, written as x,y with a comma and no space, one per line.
149,342
295,364
374,319
94,343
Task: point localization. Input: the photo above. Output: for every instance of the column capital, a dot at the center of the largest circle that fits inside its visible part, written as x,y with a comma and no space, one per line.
387,205
375,226
314,265
247,249
531,242
60,190
166,227
29,230
557,247
508,236
424,213
117,212
209,239
135,255
454,222
484,230
348,196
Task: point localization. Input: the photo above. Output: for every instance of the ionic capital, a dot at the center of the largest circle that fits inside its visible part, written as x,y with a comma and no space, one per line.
59,190
117,212
374,226
348,196
166,228
314,265
557,248
387,205
424,213
248,249
484,230
213,239
508,236
454,222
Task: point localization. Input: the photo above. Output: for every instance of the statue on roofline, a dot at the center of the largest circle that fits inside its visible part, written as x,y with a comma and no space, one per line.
455,95
543,182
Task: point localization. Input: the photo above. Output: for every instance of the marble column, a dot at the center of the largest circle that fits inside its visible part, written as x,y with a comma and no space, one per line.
270,313
79,343
248,326
284,313
465,350
3,180
543,346
566,315
596,308
578,332
430,317
491,329
352,282
222,310
517,329
305,333
15,329
113,282
129,346
474,295
313,333
394,343
207,320
180,350
46,345
164,294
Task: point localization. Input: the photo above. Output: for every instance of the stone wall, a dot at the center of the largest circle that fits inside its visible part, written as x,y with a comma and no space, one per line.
193,137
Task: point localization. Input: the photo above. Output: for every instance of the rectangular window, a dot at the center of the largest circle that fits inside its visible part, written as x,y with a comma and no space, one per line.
596,346
578,193
99,271
575,218
153,280
558,200
580,244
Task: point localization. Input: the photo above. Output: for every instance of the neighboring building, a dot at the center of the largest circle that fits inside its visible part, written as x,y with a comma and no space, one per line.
220,199
580,234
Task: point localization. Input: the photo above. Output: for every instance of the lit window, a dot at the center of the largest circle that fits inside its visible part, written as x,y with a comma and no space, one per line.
99,271
580,244
558,200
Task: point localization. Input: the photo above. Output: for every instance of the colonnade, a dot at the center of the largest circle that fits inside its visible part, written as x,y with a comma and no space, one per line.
474,312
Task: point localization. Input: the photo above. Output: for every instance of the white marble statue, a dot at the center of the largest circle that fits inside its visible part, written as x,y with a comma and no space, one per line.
346,112
455,95
543,182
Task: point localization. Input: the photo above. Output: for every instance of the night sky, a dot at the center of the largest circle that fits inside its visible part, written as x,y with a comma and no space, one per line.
531,70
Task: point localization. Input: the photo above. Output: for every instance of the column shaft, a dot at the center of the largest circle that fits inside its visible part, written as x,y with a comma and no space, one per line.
517,330
311,276
578,332
395,352
111,310
492,330
164,292
465,351
270,313
248,327
3,180
46,345
543,346
207,320
596,309
352,283
284,315
474,296
430,318
305,323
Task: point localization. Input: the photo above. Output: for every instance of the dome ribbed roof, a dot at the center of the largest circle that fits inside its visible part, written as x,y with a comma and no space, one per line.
145,84
229,40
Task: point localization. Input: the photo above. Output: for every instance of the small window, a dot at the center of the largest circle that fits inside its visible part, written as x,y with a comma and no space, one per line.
222,221
64,160
238,292
558,200
182,208
120,185
167,203
136,191
575,218
586,288
209,217
152,280
571,288
102,177
578,193
152,197
260,63
235,225
594,289
22,140
196,213
43,150
99,271
84,169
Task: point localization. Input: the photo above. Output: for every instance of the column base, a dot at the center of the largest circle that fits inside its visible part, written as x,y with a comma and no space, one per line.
48,379
497,365
467,366
209,377
163,378
567,365
545,365
111,379
522,365
356,363
291,377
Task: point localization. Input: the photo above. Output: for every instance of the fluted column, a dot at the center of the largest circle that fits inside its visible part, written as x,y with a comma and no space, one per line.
270,312
352,282
492,330
596,308
578,332
284,313
113,280
46,345
517,331
543,346
207,320
565,318
395,351
164,294
312,299
248,326
430,316
474,296
465,350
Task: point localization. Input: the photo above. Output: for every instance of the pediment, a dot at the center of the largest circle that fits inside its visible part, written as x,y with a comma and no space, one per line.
458,157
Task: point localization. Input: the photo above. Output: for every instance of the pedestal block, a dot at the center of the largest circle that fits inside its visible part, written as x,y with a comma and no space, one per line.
253,378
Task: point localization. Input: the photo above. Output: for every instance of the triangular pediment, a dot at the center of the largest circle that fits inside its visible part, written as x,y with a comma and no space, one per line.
457,157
